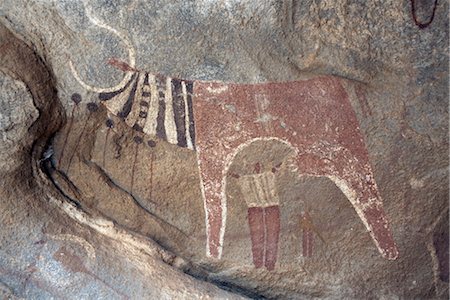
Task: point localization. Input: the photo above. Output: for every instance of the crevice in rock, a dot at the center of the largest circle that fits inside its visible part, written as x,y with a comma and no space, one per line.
166,256
22,62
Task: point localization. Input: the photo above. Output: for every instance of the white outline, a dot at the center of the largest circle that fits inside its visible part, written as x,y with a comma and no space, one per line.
90,250
152,113
205,207
131,57
228,162
341,184
359,207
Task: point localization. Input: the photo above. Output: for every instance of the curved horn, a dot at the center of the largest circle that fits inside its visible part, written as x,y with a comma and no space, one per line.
131,58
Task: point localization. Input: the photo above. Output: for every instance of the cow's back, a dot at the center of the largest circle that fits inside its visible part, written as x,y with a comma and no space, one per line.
304,113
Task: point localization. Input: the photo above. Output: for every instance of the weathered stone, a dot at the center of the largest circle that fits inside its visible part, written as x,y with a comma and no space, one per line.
17,114
363,85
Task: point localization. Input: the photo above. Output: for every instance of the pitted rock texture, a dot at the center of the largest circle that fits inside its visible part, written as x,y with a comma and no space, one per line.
100,209
17,114
46,251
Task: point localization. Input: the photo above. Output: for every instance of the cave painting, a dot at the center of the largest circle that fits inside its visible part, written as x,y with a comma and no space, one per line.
313,117
260,194
308,231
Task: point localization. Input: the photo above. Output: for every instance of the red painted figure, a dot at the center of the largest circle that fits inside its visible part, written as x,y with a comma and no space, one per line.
314,117
260,194
307,234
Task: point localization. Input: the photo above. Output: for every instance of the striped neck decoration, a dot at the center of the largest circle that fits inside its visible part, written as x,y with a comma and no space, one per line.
156,105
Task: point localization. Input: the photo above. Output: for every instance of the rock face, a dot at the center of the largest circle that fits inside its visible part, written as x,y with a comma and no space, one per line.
17,114
224,149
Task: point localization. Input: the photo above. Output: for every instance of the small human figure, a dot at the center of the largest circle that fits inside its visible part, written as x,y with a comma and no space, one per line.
307,234
308,231
260,194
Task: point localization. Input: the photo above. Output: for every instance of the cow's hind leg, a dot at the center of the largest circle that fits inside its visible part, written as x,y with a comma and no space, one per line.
363,195
353,175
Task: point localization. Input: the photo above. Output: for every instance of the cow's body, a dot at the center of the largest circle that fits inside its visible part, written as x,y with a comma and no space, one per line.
314,117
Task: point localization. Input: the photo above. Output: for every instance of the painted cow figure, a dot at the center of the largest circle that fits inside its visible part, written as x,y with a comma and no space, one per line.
313,117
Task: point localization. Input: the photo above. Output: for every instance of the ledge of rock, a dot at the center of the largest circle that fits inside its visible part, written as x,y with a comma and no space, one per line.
224,149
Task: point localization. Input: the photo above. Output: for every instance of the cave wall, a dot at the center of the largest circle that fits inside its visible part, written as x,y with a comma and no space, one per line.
293,102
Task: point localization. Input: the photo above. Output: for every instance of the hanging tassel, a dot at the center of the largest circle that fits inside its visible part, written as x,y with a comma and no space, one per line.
91,107
110,125
76,99
151,144
137,140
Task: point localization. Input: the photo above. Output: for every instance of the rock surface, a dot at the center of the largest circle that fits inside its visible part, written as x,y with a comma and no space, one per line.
93,208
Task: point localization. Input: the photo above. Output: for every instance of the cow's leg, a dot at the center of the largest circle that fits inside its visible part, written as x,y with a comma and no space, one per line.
211,165
353,175
363,194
